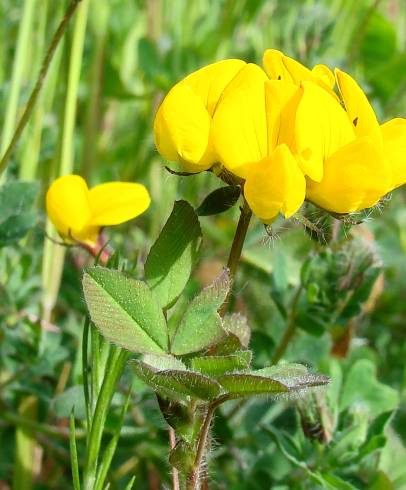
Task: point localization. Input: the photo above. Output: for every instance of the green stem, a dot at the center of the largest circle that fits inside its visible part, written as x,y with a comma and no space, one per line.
193,479
38,85
20,62
75,64
32,142
115,365
236,248
290,330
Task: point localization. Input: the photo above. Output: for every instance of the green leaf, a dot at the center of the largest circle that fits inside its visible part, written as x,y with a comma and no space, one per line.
219,200
17,200
171,258
73,452
163,362
362,388
272,380
69,400
217,365
237,324
125,311
201,325
249,384
177,383
332,481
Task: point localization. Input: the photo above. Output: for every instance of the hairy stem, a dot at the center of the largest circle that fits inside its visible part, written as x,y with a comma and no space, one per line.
236,248
193,480
39,83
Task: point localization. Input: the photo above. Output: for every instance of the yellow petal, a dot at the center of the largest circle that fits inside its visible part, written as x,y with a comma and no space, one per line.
355,178
274,65
281,101
116,202
324,75
275,185
68,206
182,129
209,82
239,132
358,108
394,143
278,66
297,71
321,128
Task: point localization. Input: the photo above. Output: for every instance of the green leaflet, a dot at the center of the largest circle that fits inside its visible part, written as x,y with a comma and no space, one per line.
201,325
177,383
273,381
237,324
217,365
125,311
171,258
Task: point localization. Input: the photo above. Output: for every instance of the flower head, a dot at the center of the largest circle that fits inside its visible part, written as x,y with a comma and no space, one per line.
79,213
286,132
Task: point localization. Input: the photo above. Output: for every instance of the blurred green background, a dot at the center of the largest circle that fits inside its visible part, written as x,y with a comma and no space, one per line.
94,117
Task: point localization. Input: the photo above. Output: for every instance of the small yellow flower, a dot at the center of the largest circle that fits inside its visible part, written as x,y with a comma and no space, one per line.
252,134
183,122
350,161
78,213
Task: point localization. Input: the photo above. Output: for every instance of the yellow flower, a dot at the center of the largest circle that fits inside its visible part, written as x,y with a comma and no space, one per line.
349,160
357,170
286,133
183,122
252,135
78,213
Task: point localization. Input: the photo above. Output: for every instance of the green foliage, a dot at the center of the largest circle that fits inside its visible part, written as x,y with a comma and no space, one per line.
201,325
125,311
349,434
177,383
171,258
17,200
219,200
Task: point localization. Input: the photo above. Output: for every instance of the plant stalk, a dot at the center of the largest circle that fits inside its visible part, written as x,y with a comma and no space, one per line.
236,249
39,83
193,480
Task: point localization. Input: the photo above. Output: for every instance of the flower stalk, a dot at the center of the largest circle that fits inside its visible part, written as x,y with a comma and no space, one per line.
236,248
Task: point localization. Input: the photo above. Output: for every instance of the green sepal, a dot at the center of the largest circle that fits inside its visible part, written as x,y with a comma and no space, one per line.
125,311
171,258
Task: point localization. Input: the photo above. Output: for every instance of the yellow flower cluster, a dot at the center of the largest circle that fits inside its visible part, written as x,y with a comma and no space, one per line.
287,132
